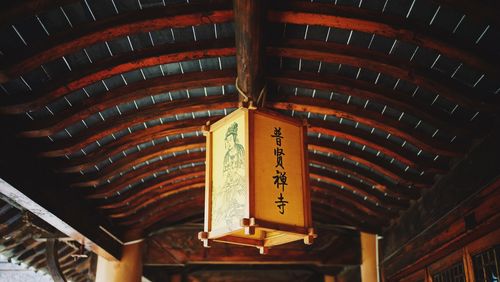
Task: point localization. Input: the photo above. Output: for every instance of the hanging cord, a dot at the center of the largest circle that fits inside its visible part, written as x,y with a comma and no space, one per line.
262,94
245,97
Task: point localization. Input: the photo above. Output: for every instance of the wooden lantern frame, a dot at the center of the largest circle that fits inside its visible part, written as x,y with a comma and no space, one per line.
271,233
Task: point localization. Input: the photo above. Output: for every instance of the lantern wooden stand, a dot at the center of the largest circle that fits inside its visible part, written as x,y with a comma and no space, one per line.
257,181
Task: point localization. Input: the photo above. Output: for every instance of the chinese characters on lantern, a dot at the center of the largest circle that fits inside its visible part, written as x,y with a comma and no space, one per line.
280,176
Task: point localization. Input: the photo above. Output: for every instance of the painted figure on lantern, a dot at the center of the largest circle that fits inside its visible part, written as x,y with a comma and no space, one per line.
233,192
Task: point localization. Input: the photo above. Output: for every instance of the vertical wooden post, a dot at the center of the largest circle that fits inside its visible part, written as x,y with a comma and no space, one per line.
329,278
468,267
428,277
250,18
369,258
128,269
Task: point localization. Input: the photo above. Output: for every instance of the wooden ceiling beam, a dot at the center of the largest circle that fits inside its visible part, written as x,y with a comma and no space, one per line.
380,94
112,188
117,123
72,40
144,192
120,64
161,131
372,119
167,191
433,81
380,179
372,162
128,93
176,207
249,23
126,163
323,189
363,189
389,148
372,22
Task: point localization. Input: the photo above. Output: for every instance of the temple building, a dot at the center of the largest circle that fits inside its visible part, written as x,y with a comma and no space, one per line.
250,140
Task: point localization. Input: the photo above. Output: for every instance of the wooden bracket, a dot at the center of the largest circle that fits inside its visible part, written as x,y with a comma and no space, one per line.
249,225
309,238
203,236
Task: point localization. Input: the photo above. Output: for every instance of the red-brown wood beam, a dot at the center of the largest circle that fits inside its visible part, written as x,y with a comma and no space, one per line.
174,147
175,207
382,180
363,189
129,141
323,189
119,64
70,41
122,182
128,93
330,52
350,18
374,92
390,149
372,119
145,114
146,190
370,162
167,191
249,24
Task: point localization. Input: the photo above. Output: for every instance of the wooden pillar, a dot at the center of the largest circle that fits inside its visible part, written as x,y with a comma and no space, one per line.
128,269
369,258
329,278
250,19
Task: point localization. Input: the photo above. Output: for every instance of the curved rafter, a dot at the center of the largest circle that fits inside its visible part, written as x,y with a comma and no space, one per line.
375,120
146,114
379,62
173,16
173,147
122,182
373,92
129,93
350,18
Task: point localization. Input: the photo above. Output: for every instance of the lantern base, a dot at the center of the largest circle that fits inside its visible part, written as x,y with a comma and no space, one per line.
260,234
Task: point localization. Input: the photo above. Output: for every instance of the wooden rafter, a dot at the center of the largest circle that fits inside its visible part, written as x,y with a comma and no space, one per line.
371,22
175,16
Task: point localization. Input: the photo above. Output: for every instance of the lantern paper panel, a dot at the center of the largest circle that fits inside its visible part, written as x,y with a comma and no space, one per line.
257,190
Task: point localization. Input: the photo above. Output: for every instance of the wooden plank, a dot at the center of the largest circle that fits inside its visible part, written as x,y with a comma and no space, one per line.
359,114
125,94
249,22
380,166
372,182
113,187
374,92
394,150
119,64
132,140
143,190
174,147
361,189
136,117
372,22
375,177
430,80
72,40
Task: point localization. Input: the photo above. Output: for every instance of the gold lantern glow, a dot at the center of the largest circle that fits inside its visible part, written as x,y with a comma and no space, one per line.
257,182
